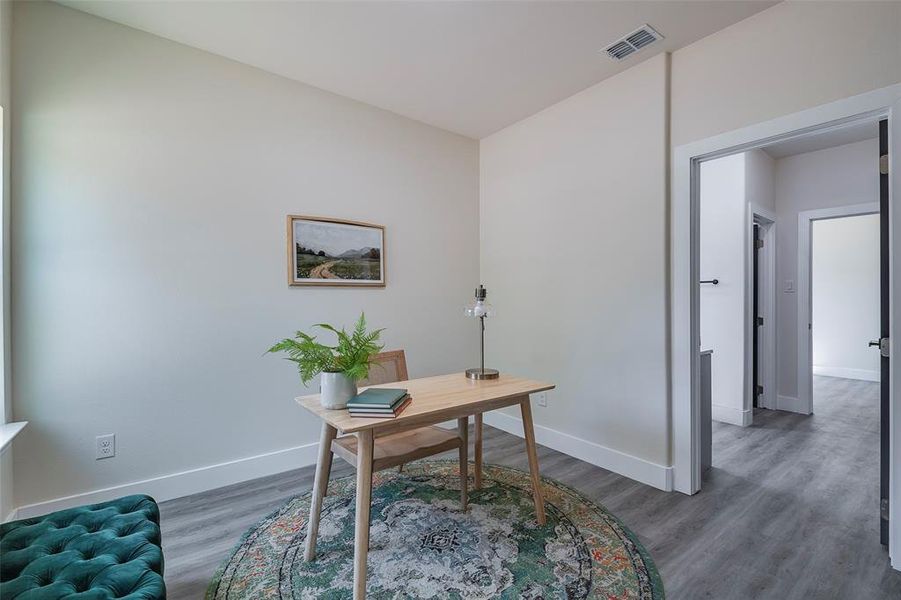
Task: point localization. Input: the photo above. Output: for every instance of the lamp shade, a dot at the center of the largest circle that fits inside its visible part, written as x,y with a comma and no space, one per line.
479,308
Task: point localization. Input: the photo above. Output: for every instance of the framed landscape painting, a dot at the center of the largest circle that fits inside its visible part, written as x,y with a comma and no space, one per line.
335,252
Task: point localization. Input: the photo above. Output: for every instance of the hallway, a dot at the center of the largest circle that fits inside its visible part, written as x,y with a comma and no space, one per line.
804,491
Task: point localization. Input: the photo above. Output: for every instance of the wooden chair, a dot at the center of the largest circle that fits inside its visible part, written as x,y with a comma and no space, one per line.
392,450
387,367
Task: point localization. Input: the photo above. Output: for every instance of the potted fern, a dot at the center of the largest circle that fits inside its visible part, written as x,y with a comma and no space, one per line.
341,365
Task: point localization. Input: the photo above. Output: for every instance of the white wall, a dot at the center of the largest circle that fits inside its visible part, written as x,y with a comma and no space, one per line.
728,186
150,191
573,254
790,57
722,240
845,282
827,178
760,179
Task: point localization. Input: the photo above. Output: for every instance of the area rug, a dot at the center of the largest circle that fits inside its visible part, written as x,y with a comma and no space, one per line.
423,546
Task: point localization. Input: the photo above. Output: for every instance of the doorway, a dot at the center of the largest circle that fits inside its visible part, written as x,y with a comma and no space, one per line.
831,292
762,317
839,295
845,297
688,159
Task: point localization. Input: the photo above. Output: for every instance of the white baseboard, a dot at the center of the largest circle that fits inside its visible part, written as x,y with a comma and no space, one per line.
193,481
847,373
12,516
732,415
176,485
791,404
652,474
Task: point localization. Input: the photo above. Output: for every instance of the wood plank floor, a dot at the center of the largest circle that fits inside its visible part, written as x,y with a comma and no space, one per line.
788,511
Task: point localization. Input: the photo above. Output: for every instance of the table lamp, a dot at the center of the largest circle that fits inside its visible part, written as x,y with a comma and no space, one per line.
481,309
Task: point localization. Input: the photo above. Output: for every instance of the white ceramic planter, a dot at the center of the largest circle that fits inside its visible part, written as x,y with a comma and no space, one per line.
335,390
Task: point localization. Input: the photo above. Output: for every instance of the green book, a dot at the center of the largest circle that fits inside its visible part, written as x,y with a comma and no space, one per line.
378,398
379,409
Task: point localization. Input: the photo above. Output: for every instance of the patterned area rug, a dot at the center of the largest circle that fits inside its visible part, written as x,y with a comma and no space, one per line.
423,546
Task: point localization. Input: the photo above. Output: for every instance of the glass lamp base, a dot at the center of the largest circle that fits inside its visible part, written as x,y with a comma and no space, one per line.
482,373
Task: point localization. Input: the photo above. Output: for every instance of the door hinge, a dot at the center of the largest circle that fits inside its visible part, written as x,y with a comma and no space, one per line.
883,509
758,243
760,390
759,321
883,164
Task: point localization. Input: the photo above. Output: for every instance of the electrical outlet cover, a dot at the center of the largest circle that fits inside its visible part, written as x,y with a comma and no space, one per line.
106,446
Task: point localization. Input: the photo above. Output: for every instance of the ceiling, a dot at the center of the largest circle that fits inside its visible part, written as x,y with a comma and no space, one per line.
857,132
468,67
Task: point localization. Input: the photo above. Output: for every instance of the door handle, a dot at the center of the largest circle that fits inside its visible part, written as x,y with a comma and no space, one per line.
882,344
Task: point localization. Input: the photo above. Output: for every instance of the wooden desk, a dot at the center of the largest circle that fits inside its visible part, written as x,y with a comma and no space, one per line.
435,400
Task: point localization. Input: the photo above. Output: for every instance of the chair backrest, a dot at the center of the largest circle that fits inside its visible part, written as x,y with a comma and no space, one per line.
387,367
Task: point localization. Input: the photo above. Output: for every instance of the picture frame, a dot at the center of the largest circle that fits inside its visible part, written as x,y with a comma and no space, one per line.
335,252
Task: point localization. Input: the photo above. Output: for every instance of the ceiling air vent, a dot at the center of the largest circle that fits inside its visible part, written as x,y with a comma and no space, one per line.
632,43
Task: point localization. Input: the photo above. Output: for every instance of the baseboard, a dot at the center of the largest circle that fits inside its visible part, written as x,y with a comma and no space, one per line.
732,415
12,516
652,474
193,481
845,373
791,404
185,483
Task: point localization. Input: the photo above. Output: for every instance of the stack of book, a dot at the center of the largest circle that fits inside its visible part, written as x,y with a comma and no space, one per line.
379,403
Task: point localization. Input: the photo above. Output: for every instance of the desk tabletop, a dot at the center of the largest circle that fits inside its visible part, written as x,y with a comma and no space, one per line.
434,399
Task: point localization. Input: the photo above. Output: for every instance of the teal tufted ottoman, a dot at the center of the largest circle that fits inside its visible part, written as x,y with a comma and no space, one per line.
97,552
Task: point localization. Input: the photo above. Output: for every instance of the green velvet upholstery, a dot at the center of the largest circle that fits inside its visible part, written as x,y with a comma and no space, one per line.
97,552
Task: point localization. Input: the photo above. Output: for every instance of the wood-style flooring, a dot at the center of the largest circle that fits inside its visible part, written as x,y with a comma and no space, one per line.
789,509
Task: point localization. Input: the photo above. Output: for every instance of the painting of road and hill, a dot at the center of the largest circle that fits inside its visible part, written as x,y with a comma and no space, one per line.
335,252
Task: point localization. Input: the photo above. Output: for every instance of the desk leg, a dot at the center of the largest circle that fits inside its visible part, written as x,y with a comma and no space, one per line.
320,486
477,453
364,497
529,432
463,430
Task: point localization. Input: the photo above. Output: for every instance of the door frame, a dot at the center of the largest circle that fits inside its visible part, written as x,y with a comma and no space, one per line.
805,291
766,218
684,269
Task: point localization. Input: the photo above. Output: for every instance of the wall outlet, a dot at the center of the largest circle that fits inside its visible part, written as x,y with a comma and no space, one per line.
106,446
541,398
